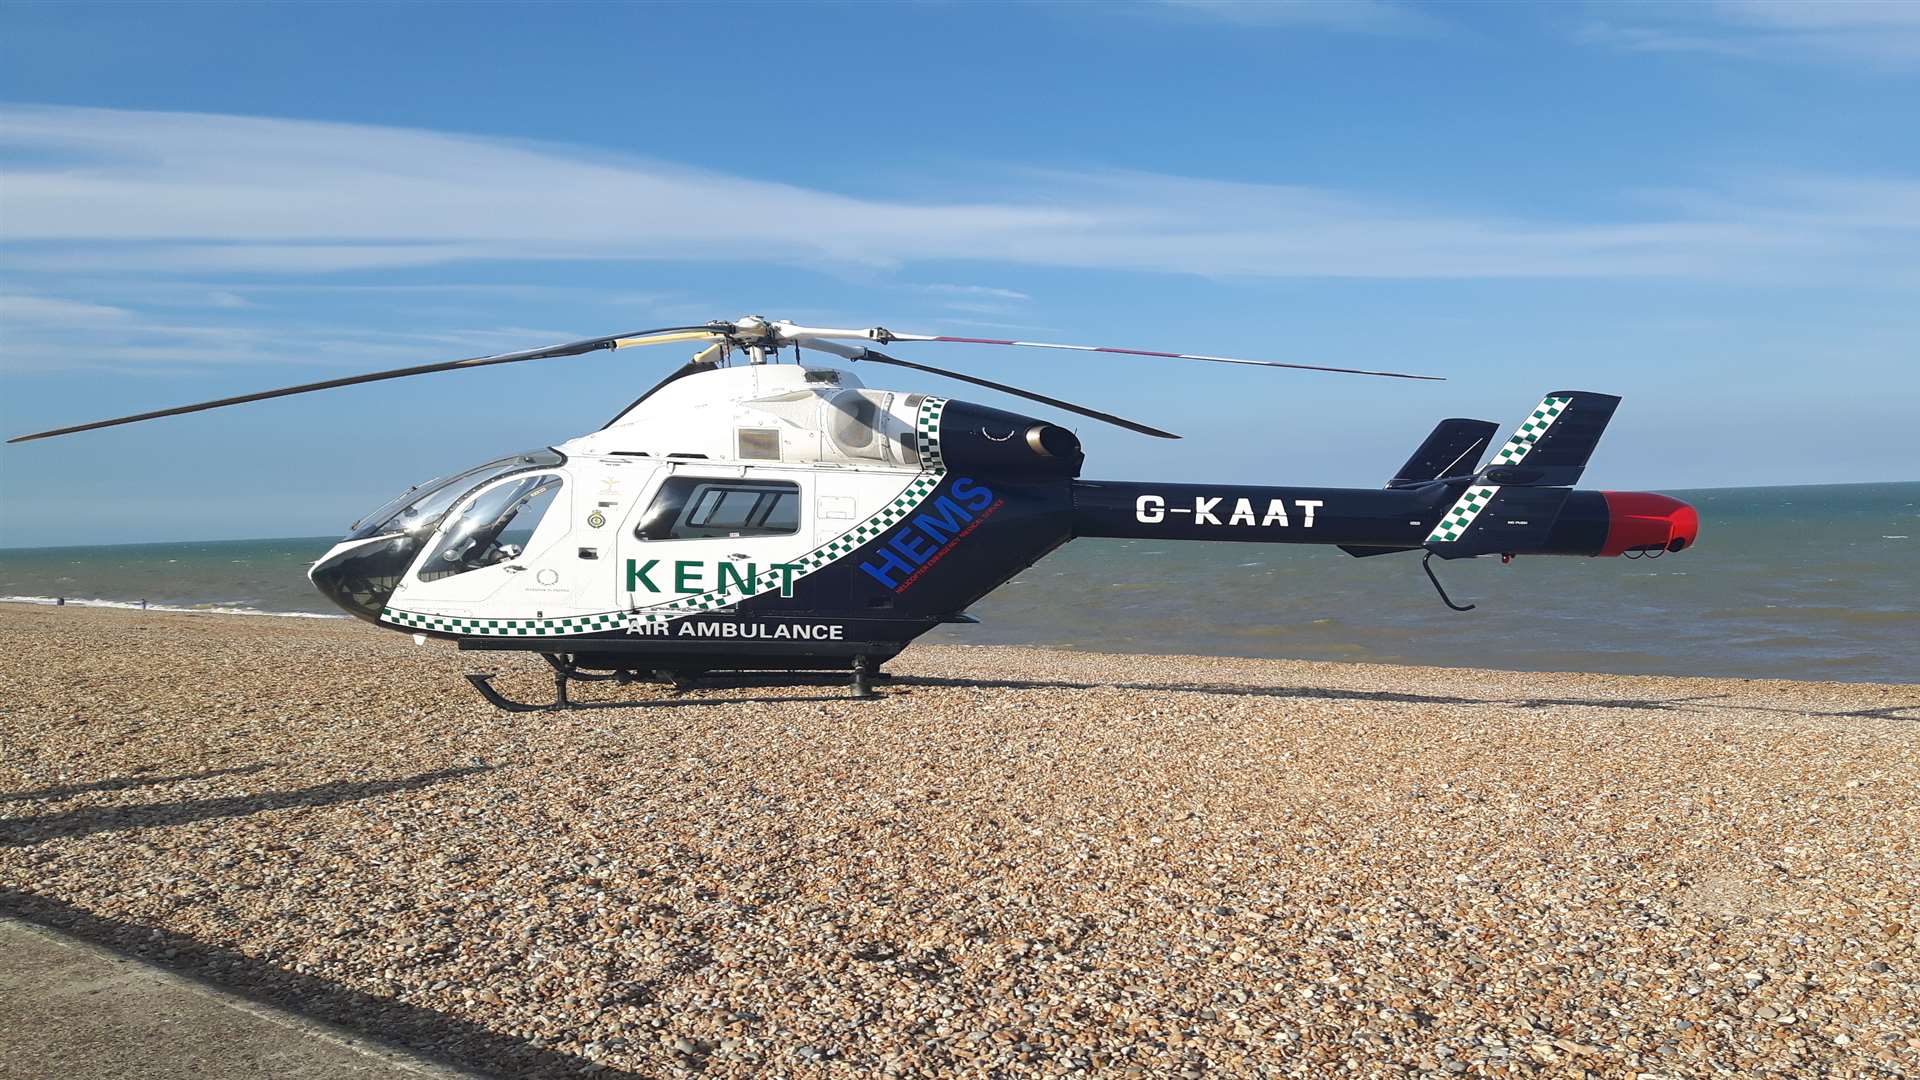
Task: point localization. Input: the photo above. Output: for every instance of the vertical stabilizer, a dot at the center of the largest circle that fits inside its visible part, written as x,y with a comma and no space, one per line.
1551,447
1513,503
1453,449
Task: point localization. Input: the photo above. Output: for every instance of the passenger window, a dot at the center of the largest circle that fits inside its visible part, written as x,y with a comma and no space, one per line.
692,507
725,508
783,514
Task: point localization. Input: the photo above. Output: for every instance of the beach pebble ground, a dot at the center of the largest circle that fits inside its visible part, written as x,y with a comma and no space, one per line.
1016,862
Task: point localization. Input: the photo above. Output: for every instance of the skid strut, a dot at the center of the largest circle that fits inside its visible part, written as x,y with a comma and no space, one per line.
501,701
565,671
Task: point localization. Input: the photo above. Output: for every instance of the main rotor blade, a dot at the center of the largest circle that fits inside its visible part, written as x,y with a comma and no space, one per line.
1166,355
790,332
1117,421
572,348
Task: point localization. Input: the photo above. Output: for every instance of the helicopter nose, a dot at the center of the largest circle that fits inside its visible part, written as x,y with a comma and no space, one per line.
359,575
1642,521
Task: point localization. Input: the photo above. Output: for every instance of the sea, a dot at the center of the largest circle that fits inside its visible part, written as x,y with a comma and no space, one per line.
1809,582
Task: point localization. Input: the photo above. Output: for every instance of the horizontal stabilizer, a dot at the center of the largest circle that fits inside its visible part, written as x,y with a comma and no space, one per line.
1551,447
1453,449
1489,520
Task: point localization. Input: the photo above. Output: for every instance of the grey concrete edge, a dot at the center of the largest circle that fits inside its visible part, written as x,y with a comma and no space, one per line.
398,1057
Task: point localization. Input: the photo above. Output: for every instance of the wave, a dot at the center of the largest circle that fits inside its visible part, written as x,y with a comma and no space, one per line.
194,609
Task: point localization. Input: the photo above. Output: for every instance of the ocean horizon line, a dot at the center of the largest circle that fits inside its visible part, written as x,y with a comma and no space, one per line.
178,609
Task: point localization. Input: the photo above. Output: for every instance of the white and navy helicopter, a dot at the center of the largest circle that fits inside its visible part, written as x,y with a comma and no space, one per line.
768,516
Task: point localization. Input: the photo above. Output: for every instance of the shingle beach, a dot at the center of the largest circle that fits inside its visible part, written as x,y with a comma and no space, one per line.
1017,862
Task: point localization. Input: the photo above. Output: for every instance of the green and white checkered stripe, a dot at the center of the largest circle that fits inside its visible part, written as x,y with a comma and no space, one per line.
1453,524
447,624
927,429
1529,432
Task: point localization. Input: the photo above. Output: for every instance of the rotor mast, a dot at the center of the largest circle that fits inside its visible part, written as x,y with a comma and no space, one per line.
756,334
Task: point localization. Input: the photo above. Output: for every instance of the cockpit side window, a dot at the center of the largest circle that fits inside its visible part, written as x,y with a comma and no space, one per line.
696,507
494,528
419,509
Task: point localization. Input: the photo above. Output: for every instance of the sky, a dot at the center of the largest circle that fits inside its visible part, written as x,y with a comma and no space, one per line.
1711,209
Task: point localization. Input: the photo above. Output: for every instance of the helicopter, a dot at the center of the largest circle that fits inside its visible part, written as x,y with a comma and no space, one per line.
747,515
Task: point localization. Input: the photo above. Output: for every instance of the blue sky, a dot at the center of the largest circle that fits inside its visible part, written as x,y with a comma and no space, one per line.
1711,209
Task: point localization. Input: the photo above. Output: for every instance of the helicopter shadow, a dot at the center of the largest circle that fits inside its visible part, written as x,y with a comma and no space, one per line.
693,702
1302,692
455,1042
22,832
1684,703
1884,712
121,783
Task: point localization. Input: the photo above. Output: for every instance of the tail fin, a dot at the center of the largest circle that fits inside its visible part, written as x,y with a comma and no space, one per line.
1453,449
1512,504
1551,447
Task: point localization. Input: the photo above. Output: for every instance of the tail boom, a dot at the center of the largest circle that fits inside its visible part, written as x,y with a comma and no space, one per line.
1518,521
1522,502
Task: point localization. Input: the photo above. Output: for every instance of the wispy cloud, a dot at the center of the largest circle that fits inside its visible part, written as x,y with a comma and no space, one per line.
1879,32
976,299
48,333
95,190
1810,202
21,310
980,292
1349,16
1655,37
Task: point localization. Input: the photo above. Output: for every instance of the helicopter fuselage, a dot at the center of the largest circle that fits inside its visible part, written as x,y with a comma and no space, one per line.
783,517
766,516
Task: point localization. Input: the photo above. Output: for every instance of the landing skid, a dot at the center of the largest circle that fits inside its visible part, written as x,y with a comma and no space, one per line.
565,671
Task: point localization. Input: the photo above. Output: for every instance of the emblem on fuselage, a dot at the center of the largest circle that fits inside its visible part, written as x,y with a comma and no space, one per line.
928,536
